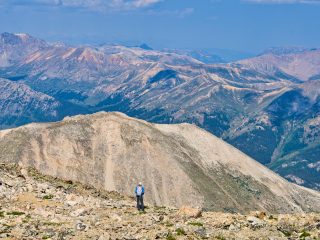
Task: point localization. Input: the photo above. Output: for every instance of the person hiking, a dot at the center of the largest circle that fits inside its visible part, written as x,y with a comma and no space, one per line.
139,191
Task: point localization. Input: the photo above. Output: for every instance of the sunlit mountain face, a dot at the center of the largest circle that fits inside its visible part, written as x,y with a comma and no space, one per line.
267,106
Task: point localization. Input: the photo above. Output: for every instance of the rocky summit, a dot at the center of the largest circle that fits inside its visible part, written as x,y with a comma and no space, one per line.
179,164
34,206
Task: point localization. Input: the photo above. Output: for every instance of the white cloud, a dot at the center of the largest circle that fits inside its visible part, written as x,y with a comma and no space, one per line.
131,4
180,13
96,5
284,1
185,12
144,3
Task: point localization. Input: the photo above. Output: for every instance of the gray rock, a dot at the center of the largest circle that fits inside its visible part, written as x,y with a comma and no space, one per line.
234,227
201,232
24,173
79,212
80,226
42,186
255,222
115,217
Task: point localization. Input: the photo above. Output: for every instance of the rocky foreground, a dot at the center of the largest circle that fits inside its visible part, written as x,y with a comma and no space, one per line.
35,206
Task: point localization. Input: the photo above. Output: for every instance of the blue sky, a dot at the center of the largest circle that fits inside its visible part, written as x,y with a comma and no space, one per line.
245,25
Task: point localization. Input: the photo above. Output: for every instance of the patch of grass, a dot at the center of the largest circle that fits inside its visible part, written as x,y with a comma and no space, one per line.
170,236
27,218
45,237
1,214
15,213
157,208
220,237
5,229
304,234
168,224
48,197
180,231
199,224
271,217
285,232
52,224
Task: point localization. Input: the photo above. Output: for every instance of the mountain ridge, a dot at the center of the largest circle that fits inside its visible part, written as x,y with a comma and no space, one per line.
244,102
112,151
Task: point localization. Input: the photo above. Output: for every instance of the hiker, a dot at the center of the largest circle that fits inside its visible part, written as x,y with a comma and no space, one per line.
139,191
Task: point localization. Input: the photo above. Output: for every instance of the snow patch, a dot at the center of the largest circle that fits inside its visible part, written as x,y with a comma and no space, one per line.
295,179
315,166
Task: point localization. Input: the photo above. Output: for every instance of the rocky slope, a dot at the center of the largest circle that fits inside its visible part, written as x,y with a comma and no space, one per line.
261,105
300,63
33,206
19,104
14,47
179,164
291,125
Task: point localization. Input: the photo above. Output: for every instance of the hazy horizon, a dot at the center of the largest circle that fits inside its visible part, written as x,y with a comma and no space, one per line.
248,26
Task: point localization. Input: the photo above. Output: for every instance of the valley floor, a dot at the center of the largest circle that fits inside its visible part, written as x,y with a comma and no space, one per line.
34,206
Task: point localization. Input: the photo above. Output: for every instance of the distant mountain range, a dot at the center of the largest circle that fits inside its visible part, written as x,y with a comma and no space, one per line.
300,63
267,106
215,55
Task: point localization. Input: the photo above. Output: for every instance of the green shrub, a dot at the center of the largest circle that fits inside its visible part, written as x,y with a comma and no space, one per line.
52,224
220,237
15,213
304,234
199,224
180,231
286,233
170,236
47,197
169,224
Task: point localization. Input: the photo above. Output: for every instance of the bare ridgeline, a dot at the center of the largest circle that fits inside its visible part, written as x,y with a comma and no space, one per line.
180,165
267,106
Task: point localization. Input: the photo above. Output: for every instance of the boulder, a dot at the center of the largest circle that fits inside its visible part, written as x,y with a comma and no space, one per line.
189,212
259,214
255,222
80,226
79,212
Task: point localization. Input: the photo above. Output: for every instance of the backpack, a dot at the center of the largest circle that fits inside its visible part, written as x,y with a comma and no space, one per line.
139,190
